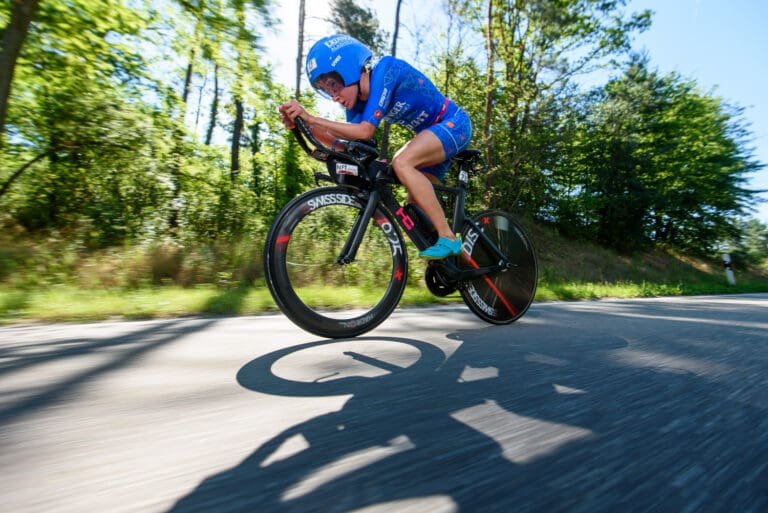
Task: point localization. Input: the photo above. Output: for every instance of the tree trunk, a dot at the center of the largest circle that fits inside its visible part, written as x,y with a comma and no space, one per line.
22,12
214,105
489,88
238,90
178,143
237,132
300,53
188,77
397,27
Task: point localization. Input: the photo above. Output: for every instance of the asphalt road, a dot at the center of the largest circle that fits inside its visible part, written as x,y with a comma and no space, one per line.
607,406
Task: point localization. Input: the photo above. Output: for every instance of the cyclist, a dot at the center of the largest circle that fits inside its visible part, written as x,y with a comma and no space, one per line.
340,67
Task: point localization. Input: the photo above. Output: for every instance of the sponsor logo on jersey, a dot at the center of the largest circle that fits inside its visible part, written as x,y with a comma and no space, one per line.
418,120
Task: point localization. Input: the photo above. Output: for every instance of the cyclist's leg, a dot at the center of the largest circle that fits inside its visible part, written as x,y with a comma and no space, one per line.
424,150
430,151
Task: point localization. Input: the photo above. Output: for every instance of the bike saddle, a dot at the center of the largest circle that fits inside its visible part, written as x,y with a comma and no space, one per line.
469,156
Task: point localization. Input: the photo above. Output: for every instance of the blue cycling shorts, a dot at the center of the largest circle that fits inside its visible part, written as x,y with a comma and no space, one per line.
454,129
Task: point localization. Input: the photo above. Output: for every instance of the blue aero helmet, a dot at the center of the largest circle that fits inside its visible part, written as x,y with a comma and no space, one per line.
340,54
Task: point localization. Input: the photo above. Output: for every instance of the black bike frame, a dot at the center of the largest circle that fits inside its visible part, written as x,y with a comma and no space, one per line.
380,193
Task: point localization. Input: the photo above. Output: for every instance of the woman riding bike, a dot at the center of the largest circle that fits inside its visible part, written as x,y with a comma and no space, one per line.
340,67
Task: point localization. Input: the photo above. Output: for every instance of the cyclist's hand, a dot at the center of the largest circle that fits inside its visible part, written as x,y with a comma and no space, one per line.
291,110
284,118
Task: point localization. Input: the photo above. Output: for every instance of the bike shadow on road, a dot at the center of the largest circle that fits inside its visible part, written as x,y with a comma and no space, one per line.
535,417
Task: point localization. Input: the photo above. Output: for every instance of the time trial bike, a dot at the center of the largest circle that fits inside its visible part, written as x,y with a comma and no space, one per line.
347,239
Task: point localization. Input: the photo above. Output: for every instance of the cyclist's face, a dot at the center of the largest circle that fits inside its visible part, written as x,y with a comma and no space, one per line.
332,86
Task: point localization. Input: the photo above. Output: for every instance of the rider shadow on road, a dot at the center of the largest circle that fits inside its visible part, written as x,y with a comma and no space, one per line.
546,421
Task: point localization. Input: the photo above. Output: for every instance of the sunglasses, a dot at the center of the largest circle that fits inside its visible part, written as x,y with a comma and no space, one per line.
330,85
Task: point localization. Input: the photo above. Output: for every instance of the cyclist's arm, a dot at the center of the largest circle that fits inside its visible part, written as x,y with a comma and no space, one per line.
327,131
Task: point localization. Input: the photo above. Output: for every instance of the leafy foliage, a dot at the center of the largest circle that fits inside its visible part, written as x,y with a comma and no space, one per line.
358,22
133,123
654,161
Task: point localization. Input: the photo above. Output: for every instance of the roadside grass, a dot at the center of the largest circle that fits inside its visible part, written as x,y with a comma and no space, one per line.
61,286
585,291
68,303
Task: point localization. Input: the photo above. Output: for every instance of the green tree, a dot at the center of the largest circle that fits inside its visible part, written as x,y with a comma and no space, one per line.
219,37
654,160
755,240
81,44
104,156
359,22
534,49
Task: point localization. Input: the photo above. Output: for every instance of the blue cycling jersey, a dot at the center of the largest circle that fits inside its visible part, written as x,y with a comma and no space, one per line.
401,94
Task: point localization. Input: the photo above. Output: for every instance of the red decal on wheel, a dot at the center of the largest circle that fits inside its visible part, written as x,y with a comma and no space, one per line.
506,303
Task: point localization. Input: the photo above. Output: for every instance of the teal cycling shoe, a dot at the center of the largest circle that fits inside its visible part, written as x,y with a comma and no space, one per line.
443,248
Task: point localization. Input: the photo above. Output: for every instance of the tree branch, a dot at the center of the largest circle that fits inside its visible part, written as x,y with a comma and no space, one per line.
21,170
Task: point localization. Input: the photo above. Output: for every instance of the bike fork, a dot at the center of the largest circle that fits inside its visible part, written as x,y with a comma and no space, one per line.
349,251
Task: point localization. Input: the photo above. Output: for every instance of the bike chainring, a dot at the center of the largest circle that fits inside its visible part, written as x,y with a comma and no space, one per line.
437,283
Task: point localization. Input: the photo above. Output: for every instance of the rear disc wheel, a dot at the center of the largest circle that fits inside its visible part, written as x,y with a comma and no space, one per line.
500,297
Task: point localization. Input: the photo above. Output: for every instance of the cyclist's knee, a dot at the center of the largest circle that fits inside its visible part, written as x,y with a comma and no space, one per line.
405,169
402,167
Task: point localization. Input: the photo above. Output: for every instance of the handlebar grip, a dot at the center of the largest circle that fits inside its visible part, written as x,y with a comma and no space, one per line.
300,138
300,124
302,132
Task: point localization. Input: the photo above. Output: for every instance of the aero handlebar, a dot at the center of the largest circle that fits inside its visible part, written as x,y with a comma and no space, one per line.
357,151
